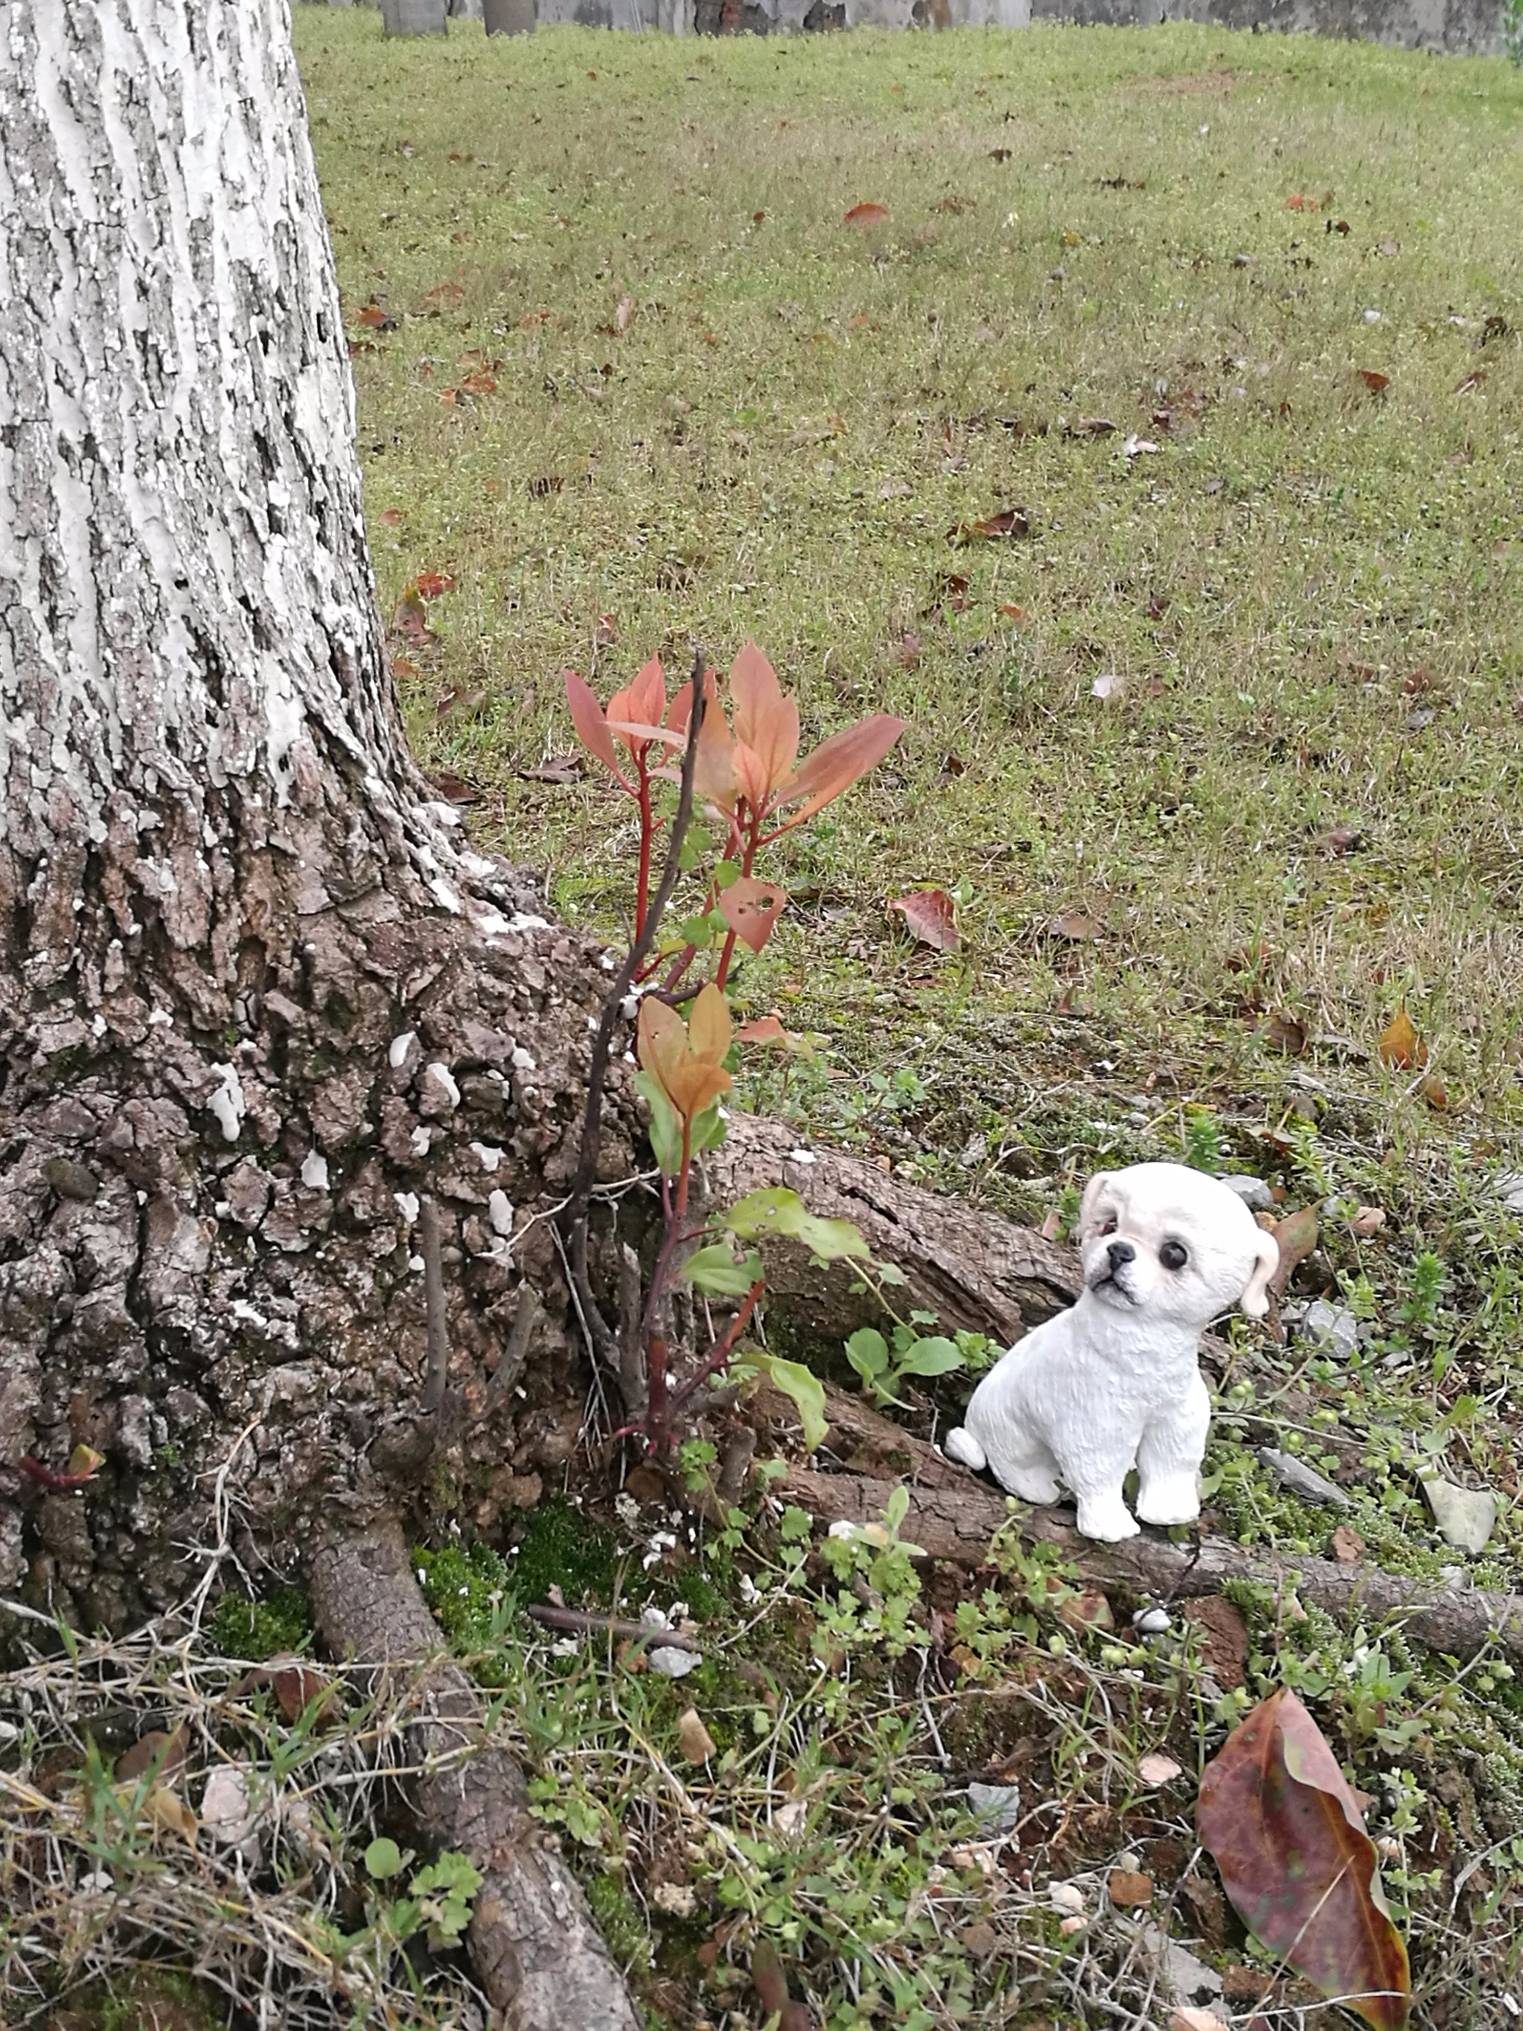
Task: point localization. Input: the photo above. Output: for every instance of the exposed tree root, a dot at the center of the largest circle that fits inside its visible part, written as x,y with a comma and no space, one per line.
532,1941
953,1516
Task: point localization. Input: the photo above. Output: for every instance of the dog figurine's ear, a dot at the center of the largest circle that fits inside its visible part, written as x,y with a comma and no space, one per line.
1090,1201
1255,1299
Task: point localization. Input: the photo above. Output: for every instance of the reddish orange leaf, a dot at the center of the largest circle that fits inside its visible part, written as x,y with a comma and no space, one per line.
480,383
444,295
377,319
751,909
1074,928
1298,203
432,584
686,1059
766,721
931,918
768,1031
591,726
1374,380
390,516
1285,1830
1295,1237
837,763
868,214
1401,1046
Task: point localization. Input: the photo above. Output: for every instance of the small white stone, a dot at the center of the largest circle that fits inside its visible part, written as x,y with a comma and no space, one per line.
444,1079
802,1156
407,1206
522,1061
500,1212
525,920
485,1155
314,1171
1066,1897
396,1056
422,1142
673,1663
1151,1621
1253,1192
227,1104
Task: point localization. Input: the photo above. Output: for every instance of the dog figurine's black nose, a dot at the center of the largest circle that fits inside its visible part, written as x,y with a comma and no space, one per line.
1121,1253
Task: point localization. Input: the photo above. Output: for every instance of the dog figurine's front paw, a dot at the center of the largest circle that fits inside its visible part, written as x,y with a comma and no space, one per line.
1169,1502
1107,1522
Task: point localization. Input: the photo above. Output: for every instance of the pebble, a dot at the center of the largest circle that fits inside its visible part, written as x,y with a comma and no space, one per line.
1152,1621
1333,1328
1253,1192
1510,1185
998,1806
1065,1897
1466,1517
673,1663
1302,1480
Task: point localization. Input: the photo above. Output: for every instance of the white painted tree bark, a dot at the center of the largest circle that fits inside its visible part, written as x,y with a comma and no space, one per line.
256,999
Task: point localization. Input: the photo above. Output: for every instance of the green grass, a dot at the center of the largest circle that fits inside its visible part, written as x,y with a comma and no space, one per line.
1308,595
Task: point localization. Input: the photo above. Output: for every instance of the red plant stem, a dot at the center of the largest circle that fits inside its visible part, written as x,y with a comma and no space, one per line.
656,1427
647,836
47,1477
747,861
722,1349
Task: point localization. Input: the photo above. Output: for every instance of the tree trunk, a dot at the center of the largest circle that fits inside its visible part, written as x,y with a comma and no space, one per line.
257,1000
508,17
414,17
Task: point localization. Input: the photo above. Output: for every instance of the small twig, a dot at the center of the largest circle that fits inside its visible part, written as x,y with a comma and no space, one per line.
631,1308
721,1351
527,1313
436,1327
574,1217
735,1467
580,1620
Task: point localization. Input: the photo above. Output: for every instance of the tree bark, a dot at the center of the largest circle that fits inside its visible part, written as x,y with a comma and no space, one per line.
257,998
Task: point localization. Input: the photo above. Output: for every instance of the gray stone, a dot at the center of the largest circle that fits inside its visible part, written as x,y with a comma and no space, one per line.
1466,1517
1253,1192
1186,1979
997,1805
1302,1480
1332,1328
671,1662
1510,1186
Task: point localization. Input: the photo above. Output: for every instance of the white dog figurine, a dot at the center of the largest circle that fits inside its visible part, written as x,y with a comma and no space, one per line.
1113,1381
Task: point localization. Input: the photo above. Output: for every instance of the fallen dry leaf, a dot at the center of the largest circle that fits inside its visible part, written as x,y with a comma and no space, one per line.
1283,1033
1074,928
454,789
1295,1237
1339,839
698,1745
432,585
1189,2018
1003,525
1157,1769
865,214
560,769
1347,1546
1282,1825
1400,1045
1367,1220
392,517
930,915
167,1811
375,318
1374,380
949,592
156,1747
1129,1889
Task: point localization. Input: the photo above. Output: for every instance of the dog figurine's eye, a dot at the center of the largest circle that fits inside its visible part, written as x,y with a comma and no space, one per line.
1107,1225
1173,1255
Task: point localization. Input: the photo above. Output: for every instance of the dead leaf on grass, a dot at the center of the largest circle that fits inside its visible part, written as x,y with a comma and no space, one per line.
930,915
1400,1046
1295,1237
867,213
1367,1220
1129,1889
558,769
1073,927
1284,1033
1374,380
1002,526
698,1745
1347,1546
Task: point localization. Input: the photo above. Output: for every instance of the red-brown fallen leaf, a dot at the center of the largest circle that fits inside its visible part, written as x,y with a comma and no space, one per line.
1284,1033
452,788
1374,380
950,592
1004,524
866,214
432,584
1295,1237
1073,927
298,1686
1129,1889
1347,1546
1298,203
930,915
1400,1045
1341,839
371,314
453,699
771,1986
404,669
757,217
392,517
1012,612
1284,1829
768,1031
1367,1220
167,1751
1435,1092
411,620
479,383
751,909
444,295
559,769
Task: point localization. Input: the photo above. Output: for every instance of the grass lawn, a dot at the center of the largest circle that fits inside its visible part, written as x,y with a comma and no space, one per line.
1222,759
1234,323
